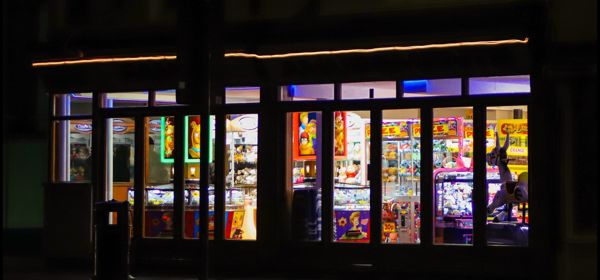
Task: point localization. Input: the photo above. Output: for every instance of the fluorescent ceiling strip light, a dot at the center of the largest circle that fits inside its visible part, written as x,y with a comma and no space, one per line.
381,49
294,54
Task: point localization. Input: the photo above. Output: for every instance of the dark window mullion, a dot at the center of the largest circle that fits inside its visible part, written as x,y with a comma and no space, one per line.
427,205
219,157
399,89
479,177
138,182
374,177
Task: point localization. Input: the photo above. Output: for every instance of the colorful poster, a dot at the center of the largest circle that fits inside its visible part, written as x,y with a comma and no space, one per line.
193,137
167,139
307,133
416,129
445,127
468,128
340,133
516,128
440,128
352,226
192,224
233,224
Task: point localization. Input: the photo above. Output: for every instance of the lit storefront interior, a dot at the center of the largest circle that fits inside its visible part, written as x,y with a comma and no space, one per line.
393,174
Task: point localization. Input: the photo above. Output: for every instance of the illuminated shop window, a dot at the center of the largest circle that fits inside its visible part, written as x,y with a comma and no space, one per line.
72,144
351,208
453,175
236,95
304,161
500,85
369,90
159,143
507,176
125,99
432,88
191,173
241,163
314,92
401,176
72,104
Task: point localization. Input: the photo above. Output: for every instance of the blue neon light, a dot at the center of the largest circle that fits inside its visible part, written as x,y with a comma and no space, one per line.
291,90
416,86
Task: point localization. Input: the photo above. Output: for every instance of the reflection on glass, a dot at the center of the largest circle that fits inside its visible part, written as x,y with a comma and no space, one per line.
369,90
240,182
305,175
401,173
351,186
507,176
159,171
453,175
307,92
72,104
192,178
72,150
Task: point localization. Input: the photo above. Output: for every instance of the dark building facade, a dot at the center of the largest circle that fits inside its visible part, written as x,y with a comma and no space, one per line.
453,89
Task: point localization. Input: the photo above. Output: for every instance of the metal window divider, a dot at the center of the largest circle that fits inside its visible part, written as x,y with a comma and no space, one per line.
479,177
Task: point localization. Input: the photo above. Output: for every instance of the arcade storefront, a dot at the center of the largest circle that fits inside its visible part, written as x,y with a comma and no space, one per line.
426,166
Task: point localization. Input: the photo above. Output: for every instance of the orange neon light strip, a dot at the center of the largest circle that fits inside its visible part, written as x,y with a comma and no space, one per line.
104,60
381,49
295,54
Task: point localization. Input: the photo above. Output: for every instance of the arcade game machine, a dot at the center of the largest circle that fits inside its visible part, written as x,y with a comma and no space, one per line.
401,178
240,182
306,196
351,187
158,189
453,181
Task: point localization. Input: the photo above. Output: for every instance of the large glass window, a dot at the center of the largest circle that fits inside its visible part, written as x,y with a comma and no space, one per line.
240,182
305,174
401,174
72,150
159,174
507,176
453,176
351,185
192,177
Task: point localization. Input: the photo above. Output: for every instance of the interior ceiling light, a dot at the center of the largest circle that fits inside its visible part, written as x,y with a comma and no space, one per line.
288,55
